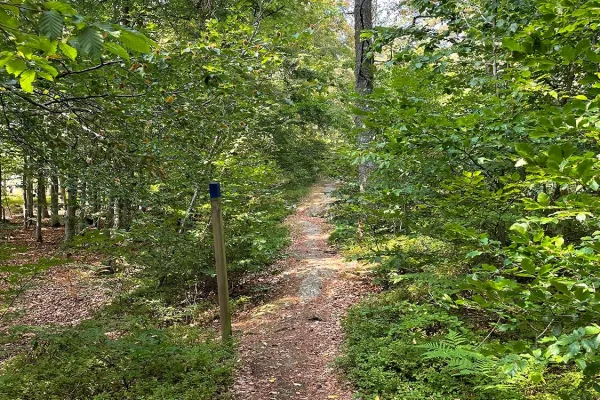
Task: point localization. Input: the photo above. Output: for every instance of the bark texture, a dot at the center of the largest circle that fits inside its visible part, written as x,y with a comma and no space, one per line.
363,74
54,208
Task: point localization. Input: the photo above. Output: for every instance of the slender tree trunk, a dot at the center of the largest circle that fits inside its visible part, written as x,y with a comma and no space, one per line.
494,48
83,208
110,212
119,214
2,216
25,202
95,204
42,194
70,221
364,70
30,201
363,73
63,192
55,217
40,206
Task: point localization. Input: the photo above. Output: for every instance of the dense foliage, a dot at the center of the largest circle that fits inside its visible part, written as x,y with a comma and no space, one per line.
486,114
126,110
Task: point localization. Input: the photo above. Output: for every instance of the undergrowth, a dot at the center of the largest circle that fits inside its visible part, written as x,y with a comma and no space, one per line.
409,343
134,349
153,341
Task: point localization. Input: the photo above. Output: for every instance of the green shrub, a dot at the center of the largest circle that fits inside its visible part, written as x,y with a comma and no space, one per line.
124,356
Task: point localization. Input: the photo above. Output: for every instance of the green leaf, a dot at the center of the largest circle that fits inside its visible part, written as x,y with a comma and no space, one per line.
543,199
117,50
51,24
61,7
6,59
528,265
592,330
592,56
45,75
90,42
8,20
67,50
26,80
583,45
525,150
135,41
536,377
513,45
474,254
15,67
568,53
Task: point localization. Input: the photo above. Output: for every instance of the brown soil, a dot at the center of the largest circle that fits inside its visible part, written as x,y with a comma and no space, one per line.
289,344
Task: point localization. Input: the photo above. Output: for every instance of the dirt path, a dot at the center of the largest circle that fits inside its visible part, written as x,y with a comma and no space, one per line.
288,345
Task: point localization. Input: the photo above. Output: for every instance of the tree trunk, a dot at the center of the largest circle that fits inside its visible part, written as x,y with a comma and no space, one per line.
95,205
83,208
30,201
364,69
43,198
70,221
25,202
40,206
2,216
63,193
55,218
119,214
110,212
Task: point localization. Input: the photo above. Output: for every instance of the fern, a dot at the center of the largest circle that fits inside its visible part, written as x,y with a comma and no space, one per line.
461,356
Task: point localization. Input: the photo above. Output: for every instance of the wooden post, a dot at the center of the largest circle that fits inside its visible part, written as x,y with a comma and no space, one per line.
223,286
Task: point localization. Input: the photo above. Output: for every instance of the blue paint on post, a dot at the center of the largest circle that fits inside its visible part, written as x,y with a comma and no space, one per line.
214,188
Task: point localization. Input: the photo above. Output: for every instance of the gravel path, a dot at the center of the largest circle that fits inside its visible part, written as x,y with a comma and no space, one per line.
288,346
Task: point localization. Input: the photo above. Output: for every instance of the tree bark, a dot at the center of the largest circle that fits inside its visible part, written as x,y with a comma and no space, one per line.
63,192
25,202
42,193
55,217
30,200
40,206
83,208
364,69
70,221
2,216
110,212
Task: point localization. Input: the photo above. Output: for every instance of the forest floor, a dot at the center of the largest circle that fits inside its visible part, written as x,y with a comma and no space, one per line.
288,345
44,284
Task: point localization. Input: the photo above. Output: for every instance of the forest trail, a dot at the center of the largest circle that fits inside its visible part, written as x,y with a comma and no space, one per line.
288,345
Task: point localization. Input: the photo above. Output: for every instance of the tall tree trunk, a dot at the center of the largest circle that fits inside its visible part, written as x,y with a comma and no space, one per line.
83,208
70,221
40,206
42,193
119,214
25,202
95,205
63,192
30,197
364,69
2,216
110,212
55,218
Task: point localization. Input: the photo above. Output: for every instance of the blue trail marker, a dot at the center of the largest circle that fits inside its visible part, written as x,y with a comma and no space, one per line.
214,188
